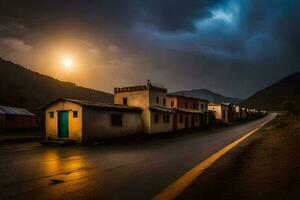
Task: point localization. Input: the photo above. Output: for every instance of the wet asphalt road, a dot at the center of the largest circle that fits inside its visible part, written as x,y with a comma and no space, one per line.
128,171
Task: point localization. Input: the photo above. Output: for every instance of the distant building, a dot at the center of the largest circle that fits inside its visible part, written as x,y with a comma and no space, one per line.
231,112
221,111
16,118
188,113
155,116
84,121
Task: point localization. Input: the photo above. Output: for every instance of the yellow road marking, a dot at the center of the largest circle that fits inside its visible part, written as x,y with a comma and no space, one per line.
173,190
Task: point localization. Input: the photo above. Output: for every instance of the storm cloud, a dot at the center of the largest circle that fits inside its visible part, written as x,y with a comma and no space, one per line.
234,47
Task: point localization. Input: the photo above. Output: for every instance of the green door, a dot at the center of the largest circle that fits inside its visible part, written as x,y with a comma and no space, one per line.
63,124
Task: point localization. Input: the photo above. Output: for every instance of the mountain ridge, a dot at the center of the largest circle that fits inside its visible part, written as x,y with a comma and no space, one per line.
206,94
276,95
22,87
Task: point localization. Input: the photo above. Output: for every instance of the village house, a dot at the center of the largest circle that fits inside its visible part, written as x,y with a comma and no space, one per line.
207,117
155,116
188,113
238,112
221,111
84,121
231,112
16,118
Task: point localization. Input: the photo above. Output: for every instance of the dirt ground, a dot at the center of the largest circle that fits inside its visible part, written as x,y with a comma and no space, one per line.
266,166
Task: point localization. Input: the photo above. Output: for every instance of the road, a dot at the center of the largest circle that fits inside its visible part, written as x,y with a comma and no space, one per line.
123,171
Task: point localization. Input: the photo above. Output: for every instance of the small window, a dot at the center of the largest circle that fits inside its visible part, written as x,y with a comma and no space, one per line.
168,118
202,106
10,117
51,114
186,105
156,118
116,119
164,119
125,101
180,119
164,102
157,100
194,106
75,114
172,103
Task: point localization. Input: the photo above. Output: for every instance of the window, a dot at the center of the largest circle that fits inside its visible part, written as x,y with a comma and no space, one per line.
125,101
10,117
51,114
186,105
194,106
157,100
180,119
156,118
75,114
196,118
172,103
116,119
164,102
168,118
223,114
202,106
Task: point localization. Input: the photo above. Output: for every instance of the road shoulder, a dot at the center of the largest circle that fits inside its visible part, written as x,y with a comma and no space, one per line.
266,166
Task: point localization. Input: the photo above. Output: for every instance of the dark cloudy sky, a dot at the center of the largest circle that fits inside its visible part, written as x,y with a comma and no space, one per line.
234,47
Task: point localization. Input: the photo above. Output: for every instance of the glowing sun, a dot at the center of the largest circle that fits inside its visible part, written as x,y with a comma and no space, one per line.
68,63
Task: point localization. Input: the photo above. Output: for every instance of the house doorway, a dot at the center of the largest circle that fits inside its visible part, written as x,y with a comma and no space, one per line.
63,124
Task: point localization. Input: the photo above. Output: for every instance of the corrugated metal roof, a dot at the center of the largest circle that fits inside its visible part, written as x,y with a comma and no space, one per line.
98,105
7,110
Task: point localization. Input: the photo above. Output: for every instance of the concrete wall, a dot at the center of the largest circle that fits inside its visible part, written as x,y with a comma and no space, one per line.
218,111
171,99
75,124
153,94
145,99
97,124
160,127
205,106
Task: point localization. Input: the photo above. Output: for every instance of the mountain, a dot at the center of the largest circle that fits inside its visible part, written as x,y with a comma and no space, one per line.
22,87
207,94
275,96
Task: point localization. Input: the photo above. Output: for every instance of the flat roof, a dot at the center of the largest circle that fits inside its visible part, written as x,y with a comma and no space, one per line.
97,105
139,88
8,110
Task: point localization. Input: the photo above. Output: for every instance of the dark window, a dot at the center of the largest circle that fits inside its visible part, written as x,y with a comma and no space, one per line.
172,103
75,114
116,119
125,101
186,105
223,114
202,106
194,106
180,119
51,114
168,118
196,118
164,119
157,100
156,118
164,102
10,117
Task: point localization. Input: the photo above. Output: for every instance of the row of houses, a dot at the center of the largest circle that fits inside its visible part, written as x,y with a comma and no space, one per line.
145,109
